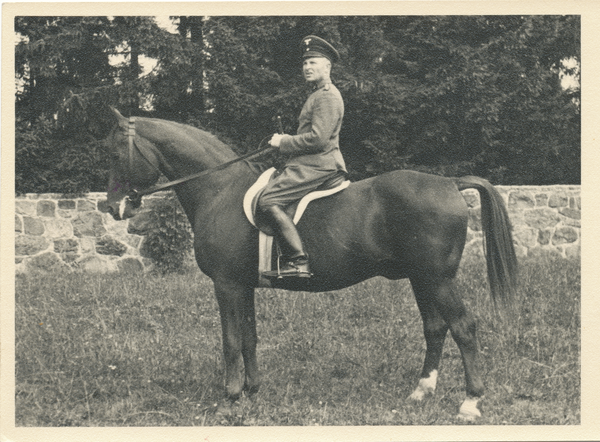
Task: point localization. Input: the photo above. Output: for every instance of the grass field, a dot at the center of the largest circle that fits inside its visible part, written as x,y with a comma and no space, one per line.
145,350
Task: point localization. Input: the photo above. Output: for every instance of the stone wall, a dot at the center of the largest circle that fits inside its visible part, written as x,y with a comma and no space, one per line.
546,220
54,232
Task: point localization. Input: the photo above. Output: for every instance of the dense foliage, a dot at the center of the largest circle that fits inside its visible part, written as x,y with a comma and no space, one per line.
169,241
451,95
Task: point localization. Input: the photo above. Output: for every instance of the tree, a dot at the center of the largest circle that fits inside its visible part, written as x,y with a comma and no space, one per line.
496,87
451,95
474,91
66,70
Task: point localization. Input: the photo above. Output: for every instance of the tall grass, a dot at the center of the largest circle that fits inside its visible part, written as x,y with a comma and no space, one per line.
125,350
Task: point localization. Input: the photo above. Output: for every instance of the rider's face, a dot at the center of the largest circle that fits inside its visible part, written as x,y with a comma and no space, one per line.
316,69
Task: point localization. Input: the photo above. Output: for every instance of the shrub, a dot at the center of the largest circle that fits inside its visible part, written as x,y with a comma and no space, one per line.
169,241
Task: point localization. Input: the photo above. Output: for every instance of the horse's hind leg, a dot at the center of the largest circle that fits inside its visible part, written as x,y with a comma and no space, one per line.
238,323
440,296
435,330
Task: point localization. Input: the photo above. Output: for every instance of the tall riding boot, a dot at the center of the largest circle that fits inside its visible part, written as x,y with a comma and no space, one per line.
295,262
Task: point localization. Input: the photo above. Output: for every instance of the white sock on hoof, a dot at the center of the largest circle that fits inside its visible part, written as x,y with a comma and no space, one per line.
469,410
426,386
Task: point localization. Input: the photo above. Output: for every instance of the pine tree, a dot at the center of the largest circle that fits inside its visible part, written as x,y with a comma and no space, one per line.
451,95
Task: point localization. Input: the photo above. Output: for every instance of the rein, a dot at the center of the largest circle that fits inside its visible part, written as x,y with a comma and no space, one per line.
135,196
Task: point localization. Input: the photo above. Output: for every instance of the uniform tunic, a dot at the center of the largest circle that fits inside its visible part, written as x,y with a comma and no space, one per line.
314,153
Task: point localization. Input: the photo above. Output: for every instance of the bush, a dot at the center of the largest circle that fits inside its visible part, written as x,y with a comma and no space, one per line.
169,241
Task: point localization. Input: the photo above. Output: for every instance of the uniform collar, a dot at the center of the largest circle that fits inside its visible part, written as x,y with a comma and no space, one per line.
324,86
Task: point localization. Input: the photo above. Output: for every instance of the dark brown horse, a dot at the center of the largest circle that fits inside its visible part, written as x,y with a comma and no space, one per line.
401,224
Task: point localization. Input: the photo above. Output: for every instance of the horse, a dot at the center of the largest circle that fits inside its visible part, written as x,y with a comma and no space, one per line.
400,224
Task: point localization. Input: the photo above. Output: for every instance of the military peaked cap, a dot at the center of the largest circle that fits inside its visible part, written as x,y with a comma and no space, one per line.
313,46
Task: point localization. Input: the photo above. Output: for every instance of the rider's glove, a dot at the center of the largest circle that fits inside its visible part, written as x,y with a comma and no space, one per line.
276,140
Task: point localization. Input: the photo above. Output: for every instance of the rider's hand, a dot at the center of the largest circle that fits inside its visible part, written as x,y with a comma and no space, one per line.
276,140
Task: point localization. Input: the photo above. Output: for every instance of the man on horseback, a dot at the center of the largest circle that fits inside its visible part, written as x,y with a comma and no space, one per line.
314,157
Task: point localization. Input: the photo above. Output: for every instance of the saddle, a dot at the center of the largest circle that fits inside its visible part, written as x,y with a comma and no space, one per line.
295,211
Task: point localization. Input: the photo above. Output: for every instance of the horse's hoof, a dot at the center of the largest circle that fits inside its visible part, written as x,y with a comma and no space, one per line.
426,386
470,409
417,395
251,390
224,409
232,397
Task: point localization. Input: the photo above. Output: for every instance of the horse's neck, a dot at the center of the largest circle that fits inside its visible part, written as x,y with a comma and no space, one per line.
183,149
216,191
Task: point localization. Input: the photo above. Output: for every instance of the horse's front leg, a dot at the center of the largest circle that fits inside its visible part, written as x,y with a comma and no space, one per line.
238,323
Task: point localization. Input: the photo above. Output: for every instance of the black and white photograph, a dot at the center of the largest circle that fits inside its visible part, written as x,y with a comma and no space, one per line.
296,221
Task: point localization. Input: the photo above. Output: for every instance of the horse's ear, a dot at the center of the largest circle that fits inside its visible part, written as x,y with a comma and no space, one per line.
120,118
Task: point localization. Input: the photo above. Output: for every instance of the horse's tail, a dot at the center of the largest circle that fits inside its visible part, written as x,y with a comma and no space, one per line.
500,254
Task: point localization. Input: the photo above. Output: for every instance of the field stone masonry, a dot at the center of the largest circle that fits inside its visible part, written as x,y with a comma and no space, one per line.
55,232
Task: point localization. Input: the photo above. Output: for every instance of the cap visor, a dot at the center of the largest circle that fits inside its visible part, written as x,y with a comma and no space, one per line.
310,54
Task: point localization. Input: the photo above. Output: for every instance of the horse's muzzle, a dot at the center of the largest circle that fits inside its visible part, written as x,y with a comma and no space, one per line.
124,209
114,213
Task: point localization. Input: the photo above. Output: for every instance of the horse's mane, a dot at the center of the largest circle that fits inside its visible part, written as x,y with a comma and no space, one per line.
171,131
190,130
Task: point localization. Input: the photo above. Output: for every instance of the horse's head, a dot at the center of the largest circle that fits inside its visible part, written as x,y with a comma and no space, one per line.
134,165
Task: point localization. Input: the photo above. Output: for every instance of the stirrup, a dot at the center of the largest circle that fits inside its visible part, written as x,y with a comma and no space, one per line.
291,269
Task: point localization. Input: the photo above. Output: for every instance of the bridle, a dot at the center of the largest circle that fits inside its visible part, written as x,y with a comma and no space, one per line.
135,196
131,139
133,146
